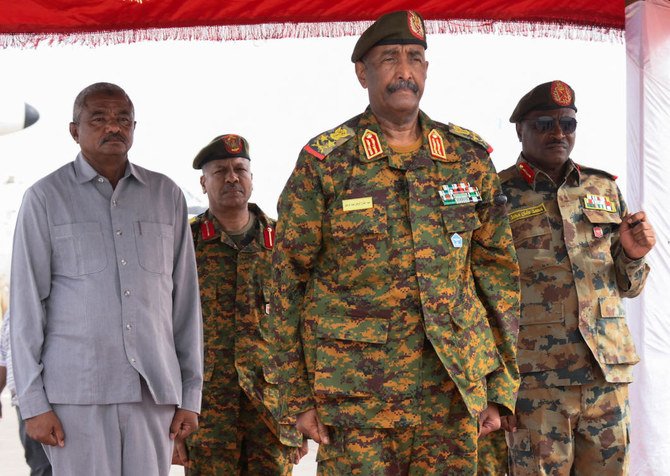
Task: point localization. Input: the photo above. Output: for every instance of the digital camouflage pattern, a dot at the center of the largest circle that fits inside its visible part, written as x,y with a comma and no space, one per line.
370,262
257,452
574,275
445,442
492,454
235,286
573,337
571,430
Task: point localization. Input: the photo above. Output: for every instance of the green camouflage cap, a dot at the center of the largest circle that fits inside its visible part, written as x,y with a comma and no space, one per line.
404,27
226,146
552,95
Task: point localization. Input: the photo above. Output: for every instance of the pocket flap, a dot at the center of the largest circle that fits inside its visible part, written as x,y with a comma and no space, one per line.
601,216
611,307
463,218
360,329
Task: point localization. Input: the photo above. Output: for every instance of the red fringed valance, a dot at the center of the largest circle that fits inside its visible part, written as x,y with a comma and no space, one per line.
28,22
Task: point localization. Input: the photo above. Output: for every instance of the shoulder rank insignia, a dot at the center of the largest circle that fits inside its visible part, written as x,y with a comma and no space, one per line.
207,230
269,237
599,202
457,193
324,144
468,134
371,144
436,143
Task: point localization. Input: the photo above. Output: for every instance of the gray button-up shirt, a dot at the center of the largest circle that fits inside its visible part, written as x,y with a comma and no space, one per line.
104,290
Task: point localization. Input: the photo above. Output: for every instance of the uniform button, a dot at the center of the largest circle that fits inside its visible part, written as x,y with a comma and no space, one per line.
126,293
132,361
124,262
100,179
128,326
119,232
114,203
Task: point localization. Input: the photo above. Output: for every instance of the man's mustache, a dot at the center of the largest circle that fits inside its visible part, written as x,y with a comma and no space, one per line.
232,186
403,84
115,135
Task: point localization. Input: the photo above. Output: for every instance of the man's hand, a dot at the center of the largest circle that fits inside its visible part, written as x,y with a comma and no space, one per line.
180,454
636,235
183,424
46,429
508,423
308,423
300,452
489,419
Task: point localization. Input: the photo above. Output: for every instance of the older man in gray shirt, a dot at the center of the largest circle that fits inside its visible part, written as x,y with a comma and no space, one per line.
106,325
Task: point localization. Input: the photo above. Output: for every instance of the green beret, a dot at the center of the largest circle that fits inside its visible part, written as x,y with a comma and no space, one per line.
553,95
226,146
398,28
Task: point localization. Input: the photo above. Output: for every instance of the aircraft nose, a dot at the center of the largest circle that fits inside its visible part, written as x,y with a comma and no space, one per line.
31,115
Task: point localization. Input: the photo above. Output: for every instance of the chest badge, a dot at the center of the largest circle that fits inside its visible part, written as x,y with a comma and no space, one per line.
599,202
457,193
597,232
456,240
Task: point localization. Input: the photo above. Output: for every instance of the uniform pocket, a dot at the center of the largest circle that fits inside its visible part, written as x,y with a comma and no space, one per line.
155,243
599,234
522,459
541,313
360,240
615,343
350,357
78,249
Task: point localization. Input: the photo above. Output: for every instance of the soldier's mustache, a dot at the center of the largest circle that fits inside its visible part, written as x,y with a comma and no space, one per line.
232,186
402,84
115,135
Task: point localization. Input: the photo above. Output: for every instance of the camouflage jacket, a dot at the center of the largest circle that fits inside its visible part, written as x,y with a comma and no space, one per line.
235,294
574,274
371,261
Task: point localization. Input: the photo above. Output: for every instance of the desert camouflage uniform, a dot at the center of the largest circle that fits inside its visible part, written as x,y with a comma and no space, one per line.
373,285
492,454
235,426
575,352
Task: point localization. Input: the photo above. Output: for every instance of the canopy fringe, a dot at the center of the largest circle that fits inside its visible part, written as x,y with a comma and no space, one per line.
308,30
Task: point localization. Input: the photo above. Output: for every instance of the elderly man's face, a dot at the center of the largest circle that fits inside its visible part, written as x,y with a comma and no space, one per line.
394,76
548,150
104,129
227,183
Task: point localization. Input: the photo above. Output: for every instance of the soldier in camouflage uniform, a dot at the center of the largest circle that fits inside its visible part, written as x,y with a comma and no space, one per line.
395,316
233,246
580,253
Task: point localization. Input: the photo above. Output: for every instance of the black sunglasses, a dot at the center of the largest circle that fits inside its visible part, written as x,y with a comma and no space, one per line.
546,123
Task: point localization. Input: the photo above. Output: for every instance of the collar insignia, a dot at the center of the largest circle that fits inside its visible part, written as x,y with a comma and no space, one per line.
436,144
207,230
371,144
527,172
269,237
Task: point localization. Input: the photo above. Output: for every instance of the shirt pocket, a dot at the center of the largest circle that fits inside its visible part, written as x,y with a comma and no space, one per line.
360,241
351,358
600,227
78,249
155,243
615,343
532,241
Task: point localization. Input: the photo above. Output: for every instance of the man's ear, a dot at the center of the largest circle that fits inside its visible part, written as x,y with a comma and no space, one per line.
518,130
74,132
361,73
202,183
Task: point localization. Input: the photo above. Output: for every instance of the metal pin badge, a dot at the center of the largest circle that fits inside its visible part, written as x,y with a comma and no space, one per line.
456,240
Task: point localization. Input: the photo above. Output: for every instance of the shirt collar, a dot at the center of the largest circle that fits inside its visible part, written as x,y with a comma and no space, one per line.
84,172
531,173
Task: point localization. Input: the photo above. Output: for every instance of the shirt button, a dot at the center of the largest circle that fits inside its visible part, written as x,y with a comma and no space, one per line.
132,361
114,203
124,262
119,232
128,326
100,179
126,293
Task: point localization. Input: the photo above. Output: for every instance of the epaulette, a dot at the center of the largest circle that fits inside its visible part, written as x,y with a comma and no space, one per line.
585,168
325,143
468,134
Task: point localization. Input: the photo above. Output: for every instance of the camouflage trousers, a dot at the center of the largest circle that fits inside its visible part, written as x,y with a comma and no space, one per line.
492,454
258,451
444,444
570,430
